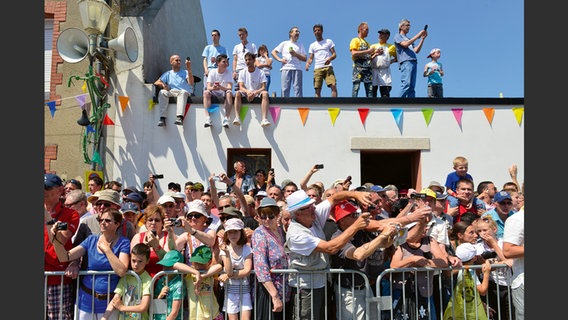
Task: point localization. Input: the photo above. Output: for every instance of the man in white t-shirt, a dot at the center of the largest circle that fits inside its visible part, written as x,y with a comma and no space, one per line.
323,51
219,84
252,84
293,53
514,247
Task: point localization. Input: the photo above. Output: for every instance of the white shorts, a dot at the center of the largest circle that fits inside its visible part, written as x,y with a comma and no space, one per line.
233,302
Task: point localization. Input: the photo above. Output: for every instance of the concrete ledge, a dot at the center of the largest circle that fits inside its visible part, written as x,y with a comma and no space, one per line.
375,143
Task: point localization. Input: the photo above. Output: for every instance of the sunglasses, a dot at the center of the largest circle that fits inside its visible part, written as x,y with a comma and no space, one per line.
168,205
194,216
223,207
69,205
104,220
154,220
224,218
267,216
104,204
508,203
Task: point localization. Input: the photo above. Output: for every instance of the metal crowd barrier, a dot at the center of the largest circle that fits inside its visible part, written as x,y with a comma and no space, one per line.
378,305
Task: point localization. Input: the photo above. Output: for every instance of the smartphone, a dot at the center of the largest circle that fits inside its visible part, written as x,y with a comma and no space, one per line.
425,27
319,166
188,59
158,176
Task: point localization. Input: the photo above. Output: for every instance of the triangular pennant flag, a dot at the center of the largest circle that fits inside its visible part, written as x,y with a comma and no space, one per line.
243,113
363,113
51,105
81,100
427,113
97,158
187,105
123,102
333,113
84,87
213,108
458,112
107,121
304,114
397,114
275,113
519,114
489,113
90,129
151,104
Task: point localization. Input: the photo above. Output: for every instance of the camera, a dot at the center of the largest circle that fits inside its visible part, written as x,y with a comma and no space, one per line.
489,255
371,207
187,58
61,226
158,176
319,166
176,222
418,195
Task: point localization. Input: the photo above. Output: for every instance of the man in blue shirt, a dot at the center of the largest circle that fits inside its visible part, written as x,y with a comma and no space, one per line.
406,55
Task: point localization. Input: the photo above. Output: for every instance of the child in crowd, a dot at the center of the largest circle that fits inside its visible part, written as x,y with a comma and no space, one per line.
434,71
127,297
264,63
237,263
460,166
203,304
170,288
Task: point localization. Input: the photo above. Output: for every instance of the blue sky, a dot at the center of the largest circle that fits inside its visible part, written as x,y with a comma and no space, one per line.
481,41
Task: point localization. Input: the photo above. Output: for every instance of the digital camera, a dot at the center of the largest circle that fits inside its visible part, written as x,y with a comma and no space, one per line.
61,226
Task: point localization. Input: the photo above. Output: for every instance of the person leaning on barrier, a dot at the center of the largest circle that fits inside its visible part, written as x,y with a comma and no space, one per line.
309,251
363,252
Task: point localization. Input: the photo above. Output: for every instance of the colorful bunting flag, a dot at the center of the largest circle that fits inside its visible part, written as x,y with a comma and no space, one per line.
84,87
489,113
427,113
52,109
333,113
97,158
243,113
187,105
151,104
275,113
518,114
123,102
363,113
304,114
397,114
213,108
458,112
108,121
91,129
81,100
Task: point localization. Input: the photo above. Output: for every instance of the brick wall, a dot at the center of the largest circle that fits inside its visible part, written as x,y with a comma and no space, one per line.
49,153
58,11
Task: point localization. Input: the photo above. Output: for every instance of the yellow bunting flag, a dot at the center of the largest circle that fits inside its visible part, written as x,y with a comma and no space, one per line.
84,87
123,102
427,113
519,114
333,113
304,114
489,113
151,104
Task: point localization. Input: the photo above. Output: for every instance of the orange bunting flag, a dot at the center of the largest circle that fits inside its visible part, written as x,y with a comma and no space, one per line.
187,105
489,113
243,113
108,121
333,113
275,113
151,104
363,113
519,114
427,113
123,102
304,114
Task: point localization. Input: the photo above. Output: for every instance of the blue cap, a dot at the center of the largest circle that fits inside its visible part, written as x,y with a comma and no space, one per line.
129,207
51,180
501,195
377,188
136,197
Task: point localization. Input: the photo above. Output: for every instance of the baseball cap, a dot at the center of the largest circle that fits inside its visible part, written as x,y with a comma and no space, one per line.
377,188
441,196
466,251
170,258
433,51
234,224
501,195
343,209
165,198
51,180
385,31
136,197
128,207
201,254
131,189
261,193
428,192
298,200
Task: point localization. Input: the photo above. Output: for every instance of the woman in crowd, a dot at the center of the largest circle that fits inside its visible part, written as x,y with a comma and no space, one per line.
107,251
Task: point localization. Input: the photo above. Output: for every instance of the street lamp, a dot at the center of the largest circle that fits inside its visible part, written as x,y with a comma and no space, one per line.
74,45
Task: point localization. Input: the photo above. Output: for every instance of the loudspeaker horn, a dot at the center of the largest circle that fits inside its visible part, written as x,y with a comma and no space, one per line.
125,43
84,120
73,45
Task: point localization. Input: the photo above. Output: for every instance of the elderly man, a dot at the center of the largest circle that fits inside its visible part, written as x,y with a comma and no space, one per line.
309,251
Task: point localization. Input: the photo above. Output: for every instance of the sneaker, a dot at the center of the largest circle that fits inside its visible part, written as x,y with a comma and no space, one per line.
236,122
226,123
207,123
265,123
179,121
162,122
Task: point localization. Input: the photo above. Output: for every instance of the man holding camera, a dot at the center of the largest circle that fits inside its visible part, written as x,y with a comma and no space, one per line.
54,210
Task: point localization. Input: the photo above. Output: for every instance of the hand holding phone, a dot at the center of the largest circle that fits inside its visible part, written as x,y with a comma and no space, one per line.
187,58
319,166
425,27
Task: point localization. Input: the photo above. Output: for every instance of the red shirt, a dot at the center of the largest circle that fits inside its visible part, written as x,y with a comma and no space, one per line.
51,263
